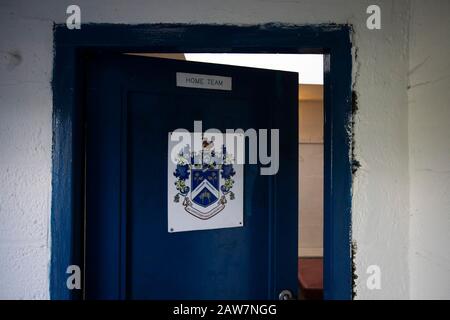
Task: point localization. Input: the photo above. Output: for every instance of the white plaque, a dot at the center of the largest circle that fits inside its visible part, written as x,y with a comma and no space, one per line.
205,188
203,81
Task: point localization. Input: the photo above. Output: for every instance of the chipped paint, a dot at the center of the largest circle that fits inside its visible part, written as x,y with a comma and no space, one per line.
355,163
354,275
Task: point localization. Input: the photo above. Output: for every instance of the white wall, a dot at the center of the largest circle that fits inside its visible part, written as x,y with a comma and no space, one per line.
25,155
380,200
429,141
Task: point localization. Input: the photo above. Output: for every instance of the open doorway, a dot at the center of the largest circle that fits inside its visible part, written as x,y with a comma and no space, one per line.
310,152
331,41
311,182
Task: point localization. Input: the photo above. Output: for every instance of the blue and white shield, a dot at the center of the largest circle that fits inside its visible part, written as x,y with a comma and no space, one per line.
205,186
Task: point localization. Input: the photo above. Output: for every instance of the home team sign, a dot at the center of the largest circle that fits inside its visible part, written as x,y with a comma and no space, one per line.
203,81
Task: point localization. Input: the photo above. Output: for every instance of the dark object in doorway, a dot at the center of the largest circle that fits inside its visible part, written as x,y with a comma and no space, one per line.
310,278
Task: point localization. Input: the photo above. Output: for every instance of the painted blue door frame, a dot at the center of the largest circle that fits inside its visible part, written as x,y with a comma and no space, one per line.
68,124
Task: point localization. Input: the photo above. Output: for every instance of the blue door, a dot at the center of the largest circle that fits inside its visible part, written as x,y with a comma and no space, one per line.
132,103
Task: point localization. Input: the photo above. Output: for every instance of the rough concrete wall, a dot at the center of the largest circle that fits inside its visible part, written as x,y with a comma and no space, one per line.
380,187
380,201
429,140
25,156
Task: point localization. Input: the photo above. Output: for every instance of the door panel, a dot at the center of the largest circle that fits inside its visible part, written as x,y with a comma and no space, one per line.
132,104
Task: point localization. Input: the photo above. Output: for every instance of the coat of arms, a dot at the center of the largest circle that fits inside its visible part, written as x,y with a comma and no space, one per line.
204,180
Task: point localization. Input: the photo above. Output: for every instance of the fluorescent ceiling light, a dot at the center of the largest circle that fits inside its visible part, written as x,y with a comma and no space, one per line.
309,66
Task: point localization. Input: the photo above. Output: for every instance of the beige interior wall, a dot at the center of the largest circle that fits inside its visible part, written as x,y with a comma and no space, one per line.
311,171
